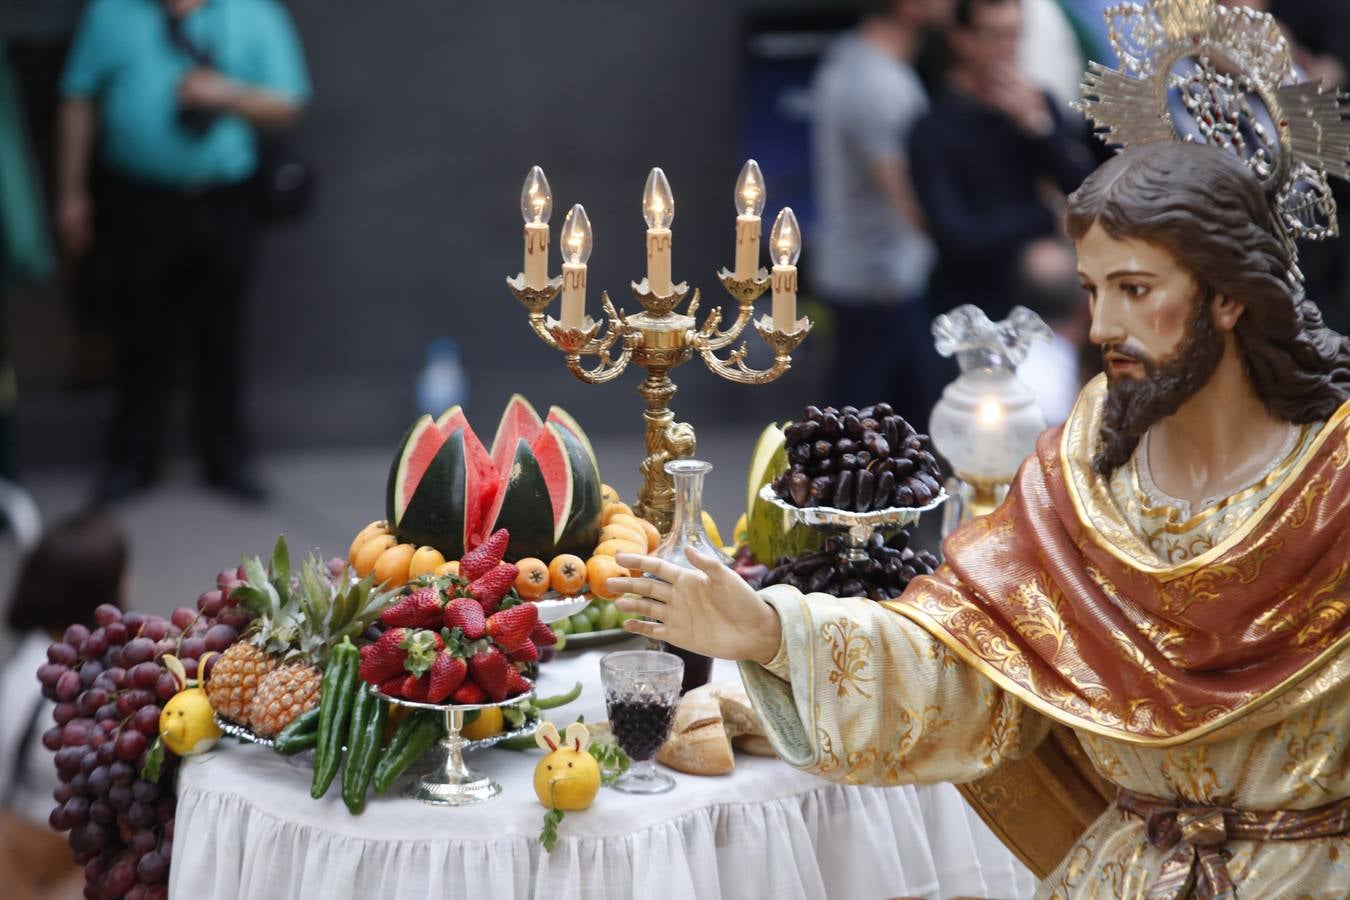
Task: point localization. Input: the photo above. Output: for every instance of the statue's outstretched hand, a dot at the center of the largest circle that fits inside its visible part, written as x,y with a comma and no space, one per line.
708,609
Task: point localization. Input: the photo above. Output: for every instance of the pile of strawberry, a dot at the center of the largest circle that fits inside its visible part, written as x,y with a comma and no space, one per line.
459,639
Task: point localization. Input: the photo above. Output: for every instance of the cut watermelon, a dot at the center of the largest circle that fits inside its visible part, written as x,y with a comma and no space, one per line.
420,446
540,482
519,422
523,507
435,516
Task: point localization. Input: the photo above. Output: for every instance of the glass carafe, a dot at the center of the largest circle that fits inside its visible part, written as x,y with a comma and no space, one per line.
686,530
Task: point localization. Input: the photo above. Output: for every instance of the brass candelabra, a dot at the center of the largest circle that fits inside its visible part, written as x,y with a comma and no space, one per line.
659,339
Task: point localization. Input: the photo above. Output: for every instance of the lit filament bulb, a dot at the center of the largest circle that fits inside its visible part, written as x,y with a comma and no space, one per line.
658,203
786,238
576,236
989,412
536,198
750,190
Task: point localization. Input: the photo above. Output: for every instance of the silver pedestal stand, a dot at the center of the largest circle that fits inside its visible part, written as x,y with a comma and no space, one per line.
856,528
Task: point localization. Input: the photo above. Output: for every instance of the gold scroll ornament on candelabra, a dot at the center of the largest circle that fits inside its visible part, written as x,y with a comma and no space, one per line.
659,338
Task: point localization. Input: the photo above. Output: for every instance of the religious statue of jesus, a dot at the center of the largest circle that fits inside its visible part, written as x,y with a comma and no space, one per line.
1169,576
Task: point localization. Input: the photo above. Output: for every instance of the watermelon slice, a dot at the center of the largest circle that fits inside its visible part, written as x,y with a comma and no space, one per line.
451,419
420,446
484,485
560,416
523,506
519,422
581,531
435,515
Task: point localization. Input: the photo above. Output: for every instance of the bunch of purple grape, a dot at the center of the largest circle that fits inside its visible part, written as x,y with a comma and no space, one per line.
109,684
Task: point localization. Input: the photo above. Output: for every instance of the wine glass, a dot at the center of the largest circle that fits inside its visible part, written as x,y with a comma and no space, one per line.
641,690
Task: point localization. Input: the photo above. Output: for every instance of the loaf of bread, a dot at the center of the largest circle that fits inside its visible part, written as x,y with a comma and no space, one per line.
707,721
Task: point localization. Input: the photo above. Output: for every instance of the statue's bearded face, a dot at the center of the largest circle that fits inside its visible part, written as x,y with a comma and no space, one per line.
1155,329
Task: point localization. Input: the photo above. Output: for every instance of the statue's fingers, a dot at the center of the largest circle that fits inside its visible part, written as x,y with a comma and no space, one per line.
704,562
649,629
651,565
635,606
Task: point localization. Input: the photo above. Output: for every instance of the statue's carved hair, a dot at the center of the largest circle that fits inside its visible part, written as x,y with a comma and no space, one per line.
1209,211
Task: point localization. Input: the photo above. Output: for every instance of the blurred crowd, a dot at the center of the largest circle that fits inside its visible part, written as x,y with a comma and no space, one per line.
944,144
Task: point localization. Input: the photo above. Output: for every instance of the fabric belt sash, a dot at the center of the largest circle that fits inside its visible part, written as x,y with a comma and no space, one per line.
1196,834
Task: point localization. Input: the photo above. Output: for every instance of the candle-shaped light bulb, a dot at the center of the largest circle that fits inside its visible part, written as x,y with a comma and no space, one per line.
750,190
785,246
658,203
576,236
786,238
536,198
576,250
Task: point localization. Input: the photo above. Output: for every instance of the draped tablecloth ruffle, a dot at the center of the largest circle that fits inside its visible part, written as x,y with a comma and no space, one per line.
247,828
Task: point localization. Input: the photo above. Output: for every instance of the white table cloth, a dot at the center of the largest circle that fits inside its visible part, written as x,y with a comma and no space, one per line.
247,828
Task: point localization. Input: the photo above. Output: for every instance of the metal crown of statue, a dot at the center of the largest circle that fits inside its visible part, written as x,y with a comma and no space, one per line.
1194,71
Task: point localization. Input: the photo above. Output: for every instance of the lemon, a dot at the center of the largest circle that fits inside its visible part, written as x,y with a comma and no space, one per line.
187,723
710,527
488,724
567,779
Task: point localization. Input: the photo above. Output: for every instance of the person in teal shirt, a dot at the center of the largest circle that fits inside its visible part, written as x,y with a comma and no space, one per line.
162,104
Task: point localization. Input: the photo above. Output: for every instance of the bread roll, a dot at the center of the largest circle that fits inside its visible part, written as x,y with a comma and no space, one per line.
698,742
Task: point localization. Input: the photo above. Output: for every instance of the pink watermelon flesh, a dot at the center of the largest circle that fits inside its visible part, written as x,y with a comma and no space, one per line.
551,454
560,416
418,452
452,419
482,492
519,422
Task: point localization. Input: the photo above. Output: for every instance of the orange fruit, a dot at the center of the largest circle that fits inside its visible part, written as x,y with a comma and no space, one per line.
391,568
425,562
610,510
609,495
567,574
364,560
615,546
617,532
600,569
374,528
653,536
450,568
532,578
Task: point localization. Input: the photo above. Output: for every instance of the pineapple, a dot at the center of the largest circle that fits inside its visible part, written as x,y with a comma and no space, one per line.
272,675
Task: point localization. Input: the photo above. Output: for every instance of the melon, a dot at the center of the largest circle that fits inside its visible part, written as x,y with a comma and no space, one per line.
769,534
540,481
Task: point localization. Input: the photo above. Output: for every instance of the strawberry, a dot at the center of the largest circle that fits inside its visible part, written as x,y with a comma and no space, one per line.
447,674
526,652
393,687
465,614
517,683
380,662
420,609
415,688
490,588
468,694
543,635
512,627
484,558
490,669
422,647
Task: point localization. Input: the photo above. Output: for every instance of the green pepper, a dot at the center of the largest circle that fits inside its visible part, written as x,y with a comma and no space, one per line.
363,749
414,736
336,694
560,700
301,734
519,742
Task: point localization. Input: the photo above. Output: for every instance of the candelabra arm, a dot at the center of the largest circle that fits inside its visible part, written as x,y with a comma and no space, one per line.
734,367
714,338
539,322
608,368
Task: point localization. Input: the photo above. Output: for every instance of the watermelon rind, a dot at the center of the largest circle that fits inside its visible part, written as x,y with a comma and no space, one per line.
451,419
564,418
435,515
391,488
582,531
550,451
420,447
523,508
519,421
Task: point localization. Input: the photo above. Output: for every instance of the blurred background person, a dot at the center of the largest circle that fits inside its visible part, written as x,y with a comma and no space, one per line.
166,97
991,163
78,565
872,257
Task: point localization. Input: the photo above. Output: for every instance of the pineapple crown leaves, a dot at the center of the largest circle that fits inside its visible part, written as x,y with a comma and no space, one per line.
306,613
